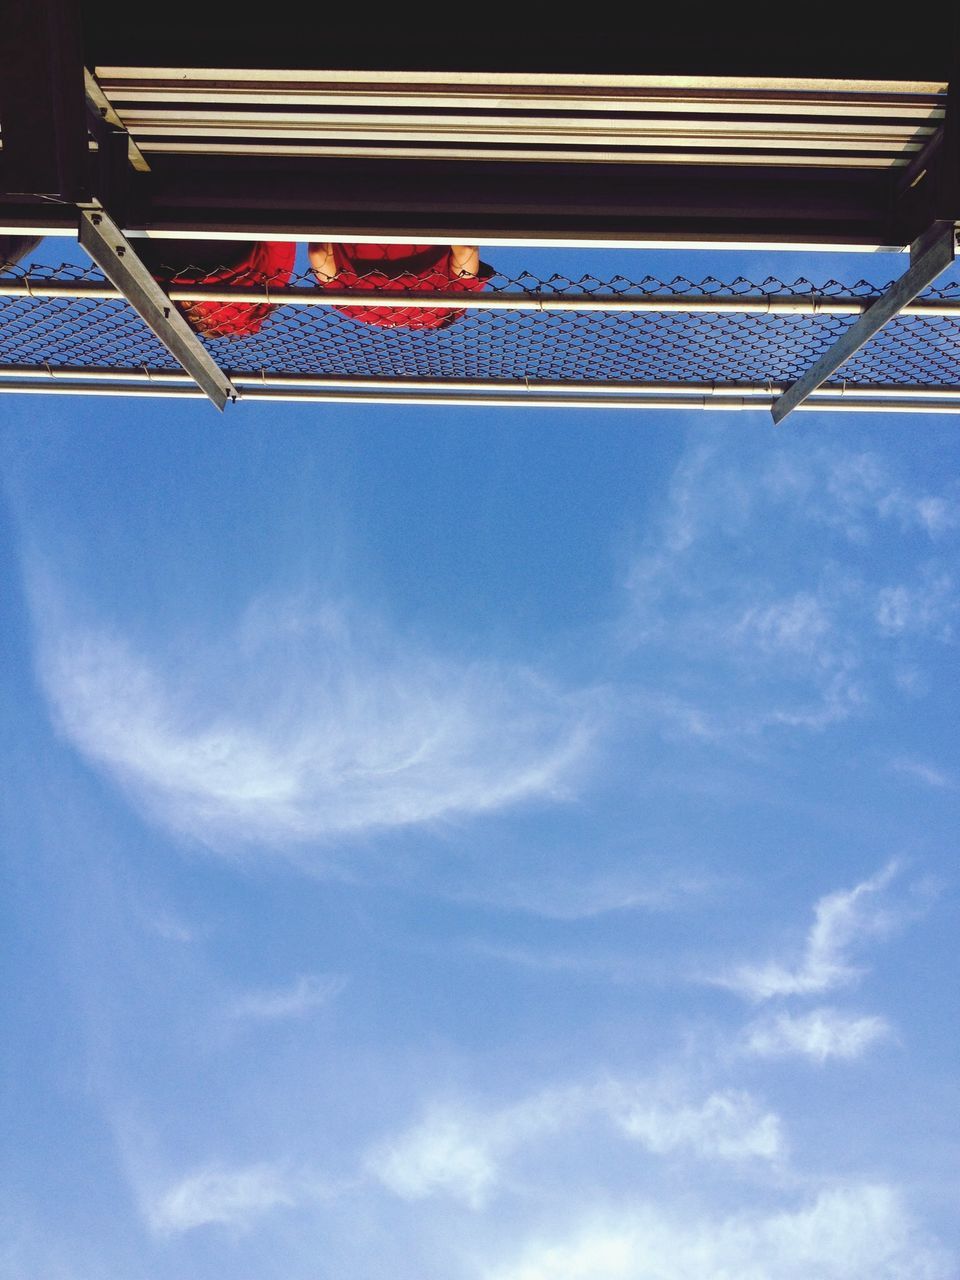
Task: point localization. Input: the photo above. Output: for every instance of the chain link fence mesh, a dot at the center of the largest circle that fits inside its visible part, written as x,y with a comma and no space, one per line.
577,347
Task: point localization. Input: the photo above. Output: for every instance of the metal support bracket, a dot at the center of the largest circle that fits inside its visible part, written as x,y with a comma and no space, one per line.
101,110
930,255
118,157
112,252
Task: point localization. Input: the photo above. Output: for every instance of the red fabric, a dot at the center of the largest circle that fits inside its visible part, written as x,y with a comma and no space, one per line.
264,263
400,267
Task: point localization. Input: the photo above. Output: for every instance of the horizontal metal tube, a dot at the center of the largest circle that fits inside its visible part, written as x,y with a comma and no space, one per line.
531,386
301,231
464,390
310,296
846,404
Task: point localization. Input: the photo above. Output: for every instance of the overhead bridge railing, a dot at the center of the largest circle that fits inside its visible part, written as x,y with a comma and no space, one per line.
487,116
114,153
588,343
532,396
814,303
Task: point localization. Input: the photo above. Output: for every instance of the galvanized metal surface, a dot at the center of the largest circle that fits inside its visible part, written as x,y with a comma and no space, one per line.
309,296
113,253
747,399
930,257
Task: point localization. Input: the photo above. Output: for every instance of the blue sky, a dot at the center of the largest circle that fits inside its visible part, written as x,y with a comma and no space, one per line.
505,846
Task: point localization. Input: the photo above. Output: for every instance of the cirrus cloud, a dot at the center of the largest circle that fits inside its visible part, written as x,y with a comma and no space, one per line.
844,1234
818,1035
309,992
841,921
308,723
218,1195
460,1153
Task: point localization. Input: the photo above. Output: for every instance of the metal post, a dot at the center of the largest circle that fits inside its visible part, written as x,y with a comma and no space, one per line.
930,255
111,251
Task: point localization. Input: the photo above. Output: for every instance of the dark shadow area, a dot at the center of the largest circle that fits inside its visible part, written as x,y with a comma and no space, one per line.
839,41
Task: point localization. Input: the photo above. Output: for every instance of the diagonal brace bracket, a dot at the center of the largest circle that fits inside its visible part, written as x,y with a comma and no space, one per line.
101,111
112,252
930,255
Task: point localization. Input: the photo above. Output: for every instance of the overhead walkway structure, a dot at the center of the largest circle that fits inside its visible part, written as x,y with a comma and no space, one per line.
108,138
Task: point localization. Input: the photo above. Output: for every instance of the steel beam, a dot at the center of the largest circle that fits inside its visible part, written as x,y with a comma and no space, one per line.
551,200
112,252
456,202
930,255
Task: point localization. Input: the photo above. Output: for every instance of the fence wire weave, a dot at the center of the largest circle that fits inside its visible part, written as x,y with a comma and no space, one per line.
577,347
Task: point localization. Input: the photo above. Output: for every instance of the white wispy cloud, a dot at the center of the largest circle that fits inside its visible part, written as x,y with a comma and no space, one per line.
571,895
925,606
461,1153
842,920
309,722
818,1035
853,489
839,697
729,1125
217,1194
447,1153
798,625
168,926
606,966
930,775
310,991
750,633
934,514
847,1233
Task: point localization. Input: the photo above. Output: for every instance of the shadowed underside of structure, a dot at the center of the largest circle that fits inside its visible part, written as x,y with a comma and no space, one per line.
196,123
